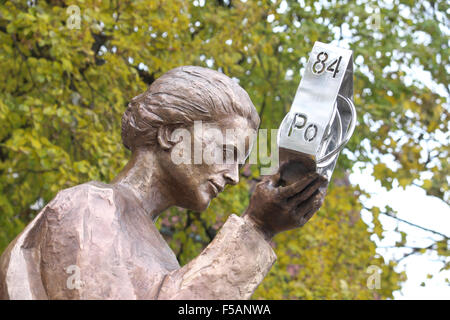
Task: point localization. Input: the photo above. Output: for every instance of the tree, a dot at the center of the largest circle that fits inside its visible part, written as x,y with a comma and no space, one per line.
64,89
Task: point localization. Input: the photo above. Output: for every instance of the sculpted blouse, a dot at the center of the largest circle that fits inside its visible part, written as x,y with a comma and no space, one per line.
98,235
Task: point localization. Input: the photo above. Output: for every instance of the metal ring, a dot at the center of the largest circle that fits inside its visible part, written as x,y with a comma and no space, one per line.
326,162
322,162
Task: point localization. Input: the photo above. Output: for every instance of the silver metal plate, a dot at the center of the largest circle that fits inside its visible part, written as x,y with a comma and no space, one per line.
311,127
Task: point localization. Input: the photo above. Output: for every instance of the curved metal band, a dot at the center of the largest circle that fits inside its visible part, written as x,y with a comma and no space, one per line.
322,162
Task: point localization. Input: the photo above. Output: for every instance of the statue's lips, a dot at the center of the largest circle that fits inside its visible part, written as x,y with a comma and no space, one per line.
217,188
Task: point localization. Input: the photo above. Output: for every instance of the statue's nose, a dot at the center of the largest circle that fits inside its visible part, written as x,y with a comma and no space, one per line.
232,176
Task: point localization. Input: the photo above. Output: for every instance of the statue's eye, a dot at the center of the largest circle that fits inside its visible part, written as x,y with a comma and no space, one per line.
229,154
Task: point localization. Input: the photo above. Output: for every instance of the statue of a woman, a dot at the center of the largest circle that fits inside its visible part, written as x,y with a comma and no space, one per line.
99,241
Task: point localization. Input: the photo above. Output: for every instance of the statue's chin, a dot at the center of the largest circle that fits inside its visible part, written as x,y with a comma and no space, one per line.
199,205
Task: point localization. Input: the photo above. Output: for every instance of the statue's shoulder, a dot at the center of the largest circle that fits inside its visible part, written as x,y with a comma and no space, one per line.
83,193
92,198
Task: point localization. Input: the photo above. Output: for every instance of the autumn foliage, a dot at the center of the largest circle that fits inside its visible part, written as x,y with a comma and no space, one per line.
63,91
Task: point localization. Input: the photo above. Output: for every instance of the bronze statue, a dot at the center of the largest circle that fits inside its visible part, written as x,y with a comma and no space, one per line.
99,241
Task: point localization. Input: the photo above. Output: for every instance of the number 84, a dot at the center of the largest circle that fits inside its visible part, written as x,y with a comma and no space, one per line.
319,65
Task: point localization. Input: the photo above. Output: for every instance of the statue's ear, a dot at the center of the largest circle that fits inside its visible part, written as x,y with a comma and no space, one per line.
164,138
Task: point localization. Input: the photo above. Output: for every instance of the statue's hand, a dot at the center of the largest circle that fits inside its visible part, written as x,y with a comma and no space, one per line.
274,208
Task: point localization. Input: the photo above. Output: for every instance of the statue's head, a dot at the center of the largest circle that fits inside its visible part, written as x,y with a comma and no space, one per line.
186,118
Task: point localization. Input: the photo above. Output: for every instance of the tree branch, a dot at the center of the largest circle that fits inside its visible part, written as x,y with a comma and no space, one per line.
415,225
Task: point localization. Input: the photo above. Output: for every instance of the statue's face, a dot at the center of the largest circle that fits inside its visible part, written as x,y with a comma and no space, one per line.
207,158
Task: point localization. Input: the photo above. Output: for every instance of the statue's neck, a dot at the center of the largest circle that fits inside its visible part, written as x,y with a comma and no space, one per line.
144,178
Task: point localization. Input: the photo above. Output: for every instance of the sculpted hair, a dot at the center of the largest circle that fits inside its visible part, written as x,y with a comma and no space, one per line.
181,96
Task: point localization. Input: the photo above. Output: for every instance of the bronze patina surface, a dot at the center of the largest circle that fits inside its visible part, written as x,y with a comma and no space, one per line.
104,237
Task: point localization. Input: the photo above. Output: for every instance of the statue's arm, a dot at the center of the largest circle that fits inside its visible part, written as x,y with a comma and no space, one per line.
231,266
237,260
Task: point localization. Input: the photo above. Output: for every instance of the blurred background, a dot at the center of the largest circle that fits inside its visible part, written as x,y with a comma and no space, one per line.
69,68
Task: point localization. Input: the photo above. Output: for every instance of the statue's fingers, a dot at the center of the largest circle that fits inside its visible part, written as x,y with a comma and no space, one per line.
310,206
275,179
296,187
297,199
307,216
